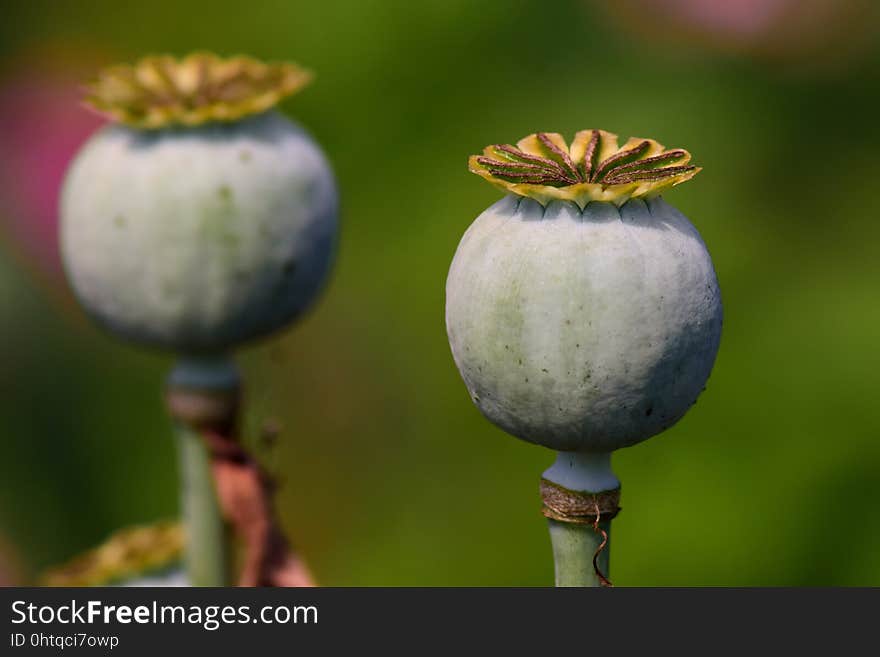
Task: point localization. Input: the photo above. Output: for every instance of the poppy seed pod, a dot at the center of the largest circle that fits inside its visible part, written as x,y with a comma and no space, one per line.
201,218
584,315
583,311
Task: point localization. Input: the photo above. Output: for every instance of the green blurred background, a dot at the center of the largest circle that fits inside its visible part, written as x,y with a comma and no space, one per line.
390,475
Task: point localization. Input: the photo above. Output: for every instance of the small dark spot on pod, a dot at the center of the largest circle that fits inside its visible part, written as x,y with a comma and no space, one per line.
289,267
225,193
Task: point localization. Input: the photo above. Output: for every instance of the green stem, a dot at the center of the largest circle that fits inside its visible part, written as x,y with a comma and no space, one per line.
207,558
575,545
573,550
202,399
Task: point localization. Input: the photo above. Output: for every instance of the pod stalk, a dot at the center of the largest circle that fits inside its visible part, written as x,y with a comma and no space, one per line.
202,398
580,497
580,553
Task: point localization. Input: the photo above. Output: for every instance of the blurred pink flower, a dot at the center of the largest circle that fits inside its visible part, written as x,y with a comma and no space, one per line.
735,18
42,124
815,33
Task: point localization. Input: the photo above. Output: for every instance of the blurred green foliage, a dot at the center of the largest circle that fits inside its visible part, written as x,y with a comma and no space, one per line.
390,475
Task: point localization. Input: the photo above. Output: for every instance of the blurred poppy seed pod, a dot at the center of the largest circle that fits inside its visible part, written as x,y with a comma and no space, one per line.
201,218
583,311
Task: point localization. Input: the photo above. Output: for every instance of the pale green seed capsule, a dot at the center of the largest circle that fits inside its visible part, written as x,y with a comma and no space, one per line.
201,218
579,324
